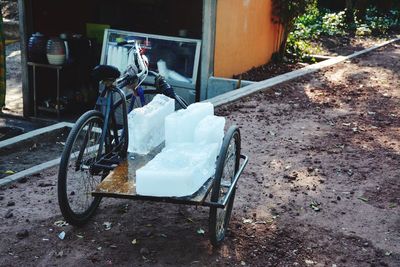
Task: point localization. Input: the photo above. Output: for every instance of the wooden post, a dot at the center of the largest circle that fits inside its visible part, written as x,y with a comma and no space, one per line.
24,9
207,45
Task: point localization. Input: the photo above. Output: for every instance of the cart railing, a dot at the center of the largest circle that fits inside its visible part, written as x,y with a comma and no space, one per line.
198,198
232,186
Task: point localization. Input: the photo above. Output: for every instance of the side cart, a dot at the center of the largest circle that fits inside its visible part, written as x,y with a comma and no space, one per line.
218,192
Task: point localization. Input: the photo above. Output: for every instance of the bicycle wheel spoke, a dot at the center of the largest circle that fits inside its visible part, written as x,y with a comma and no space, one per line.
81,180
228,174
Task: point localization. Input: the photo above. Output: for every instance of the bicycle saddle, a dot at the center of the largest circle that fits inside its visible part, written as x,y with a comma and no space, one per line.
105,72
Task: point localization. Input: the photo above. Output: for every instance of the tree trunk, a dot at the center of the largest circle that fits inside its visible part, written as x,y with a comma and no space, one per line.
282,47
350,11
358,6
361,7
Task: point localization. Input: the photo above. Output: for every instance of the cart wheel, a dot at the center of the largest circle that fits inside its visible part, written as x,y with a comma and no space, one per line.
76,179
227,167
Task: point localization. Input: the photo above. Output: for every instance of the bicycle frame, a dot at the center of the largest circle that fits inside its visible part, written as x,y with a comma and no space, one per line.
109,114
112,142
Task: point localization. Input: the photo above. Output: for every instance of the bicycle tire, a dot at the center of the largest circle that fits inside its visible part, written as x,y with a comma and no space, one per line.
72,216
219,218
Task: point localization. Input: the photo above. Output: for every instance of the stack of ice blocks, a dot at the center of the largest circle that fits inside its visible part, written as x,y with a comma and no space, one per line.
146,125
193,138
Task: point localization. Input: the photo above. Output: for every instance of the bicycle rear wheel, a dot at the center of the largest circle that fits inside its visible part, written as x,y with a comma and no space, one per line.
227,167
76,177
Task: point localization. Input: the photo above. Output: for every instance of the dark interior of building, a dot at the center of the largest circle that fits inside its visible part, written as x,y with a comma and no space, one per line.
52,18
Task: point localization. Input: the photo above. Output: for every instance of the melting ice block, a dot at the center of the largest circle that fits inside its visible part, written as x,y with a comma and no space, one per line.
177,171
193,140
180,125
147,124
210,130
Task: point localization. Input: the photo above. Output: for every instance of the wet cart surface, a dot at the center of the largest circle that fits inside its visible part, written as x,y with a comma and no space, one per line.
121,183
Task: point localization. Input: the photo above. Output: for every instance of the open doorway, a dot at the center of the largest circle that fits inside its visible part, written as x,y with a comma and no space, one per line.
13,99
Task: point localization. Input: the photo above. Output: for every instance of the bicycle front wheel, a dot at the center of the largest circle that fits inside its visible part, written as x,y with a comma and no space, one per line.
76,177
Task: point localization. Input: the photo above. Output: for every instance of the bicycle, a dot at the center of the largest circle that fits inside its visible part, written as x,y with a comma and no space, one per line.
97,143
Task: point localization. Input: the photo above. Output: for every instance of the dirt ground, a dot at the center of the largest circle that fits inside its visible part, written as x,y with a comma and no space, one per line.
347,44
321,189
325,46
14,103
32,152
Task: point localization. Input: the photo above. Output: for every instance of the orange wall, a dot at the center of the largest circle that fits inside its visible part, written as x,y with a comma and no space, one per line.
245,36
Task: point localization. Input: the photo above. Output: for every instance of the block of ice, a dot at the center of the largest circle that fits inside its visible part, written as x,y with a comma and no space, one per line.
193,140
146,125
170,74
210,130
180,125
177,171
162,68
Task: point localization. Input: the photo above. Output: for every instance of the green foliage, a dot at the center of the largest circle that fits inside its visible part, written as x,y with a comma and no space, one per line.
333,24
285,12
363,30
304,22
310,26
376,23
297,49
316,23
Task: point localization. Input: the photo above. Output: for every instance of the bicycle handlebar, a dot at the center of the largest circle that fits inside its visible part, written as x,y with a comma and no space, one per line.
125,80
140,71
153,73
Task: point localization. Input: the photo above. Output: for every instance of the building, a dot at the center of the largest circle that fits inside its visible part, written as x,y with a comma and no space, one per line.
235,35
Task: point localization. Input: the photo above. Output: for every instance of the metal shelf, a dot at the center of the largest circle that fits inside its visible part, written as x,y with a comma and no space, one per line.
57,68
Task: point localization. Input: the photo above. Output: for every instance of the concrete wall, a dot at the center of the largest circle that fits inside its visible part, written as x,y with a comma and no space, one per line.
245,36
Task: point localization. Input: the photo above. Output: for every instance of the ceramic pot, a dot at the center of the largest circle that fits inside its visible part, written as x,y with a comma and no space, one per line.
37,48
56,51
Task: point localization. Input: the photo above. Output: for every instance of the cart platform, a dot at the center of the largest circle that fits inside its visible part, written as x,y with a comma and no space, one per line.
121,183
